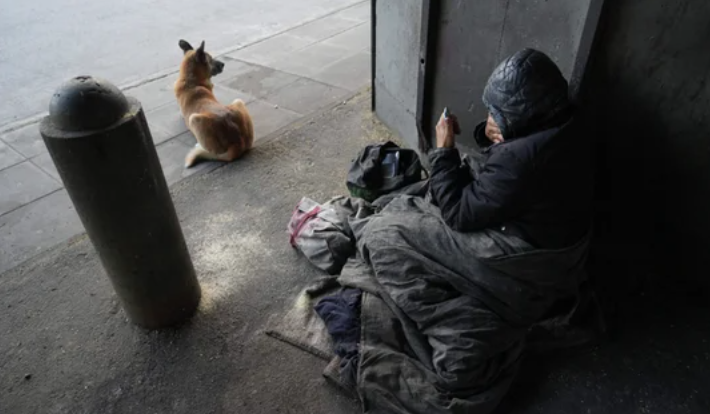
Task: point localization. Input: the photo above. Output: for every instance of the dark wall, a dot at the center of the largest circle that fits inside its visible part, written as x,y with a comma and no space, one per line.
473,37
648,90
646,98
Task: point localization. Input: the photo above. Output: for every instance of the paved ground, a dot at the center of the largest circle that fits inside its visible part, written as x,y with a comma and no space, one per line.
66,346
285,76
45,42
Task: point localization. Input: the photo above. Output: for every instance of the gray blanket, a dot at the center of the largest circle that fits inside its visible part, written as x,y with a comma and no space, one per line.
445,314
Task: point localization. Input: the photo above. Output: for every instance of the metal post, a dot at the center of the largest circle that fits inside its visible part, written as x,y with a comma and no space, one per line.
100,142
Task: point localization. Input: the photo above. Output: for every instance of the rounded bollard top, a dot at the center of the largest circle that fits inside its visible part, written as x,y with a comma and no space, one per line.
86,103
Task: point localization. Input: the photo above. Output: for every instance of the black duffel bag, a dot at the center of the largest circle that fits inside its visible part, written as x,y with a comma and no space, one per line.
383,168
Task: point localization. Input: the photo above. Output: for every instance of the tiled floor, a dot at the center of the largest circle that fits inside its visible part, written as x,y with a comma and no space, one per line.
23,183
253,79
306,96
282,79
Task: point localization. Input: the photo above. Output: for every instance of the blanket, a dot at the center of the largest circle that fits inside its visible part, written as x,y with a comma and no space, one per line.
444,314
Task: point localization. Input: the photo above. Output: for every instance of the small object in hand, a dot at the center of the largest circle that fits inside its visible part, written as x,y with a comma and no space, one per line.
447,114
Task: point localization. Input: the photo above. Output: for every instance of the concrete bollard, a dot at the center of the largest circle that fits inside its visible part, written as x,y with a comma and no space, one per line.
101,145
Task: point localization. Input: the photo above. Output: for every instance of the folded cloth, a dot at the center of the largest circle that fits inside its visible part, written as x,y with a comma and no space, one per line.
341,314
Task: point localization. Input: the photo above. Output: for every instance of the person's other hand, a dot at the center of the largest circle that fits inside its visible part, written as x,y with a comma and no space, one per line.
493,131
446,128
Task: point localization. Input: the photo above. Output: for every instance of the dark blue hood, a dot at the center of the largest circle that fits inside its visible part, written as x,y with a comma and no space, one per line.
526,94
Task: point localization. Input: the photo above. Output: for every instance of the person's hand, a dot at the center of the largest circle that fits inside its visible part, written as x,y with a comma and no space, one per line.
446,128
493,131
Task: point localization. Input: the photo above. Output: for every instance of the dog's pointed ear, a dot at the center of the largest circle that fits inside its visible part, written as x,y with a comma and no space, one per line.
201,52
186,47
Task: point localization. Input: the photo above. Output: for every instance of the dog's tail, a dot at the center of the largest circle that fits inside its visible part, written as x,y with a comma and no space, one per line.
196,154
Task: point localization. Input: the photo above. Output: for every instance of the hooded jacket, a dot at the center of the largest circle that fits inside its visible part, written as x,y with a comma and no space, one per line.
537,183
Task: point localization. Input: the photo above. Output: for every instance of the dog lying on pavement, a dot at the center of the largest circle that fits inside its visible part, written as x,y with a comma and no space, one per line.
223,132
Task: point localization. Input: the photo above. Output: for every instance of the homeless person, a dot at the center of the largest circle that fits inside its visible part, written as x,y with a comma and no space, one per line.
534,179
451,288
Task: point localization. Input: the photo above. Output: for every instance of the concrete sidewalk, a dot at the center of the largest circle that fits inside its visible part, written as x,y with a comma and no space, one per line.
282,78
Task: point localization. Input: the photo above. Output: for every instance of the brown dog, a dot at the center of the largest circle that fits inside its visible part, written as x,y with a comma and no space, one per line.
223,133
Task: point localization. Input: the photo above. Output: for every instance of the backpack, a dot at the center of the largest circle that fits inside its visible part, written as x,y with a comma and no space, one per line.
382,168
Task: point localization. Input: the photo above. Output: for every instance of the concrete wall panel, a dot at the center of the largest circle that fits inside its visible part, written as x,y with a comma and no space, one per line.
398,28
